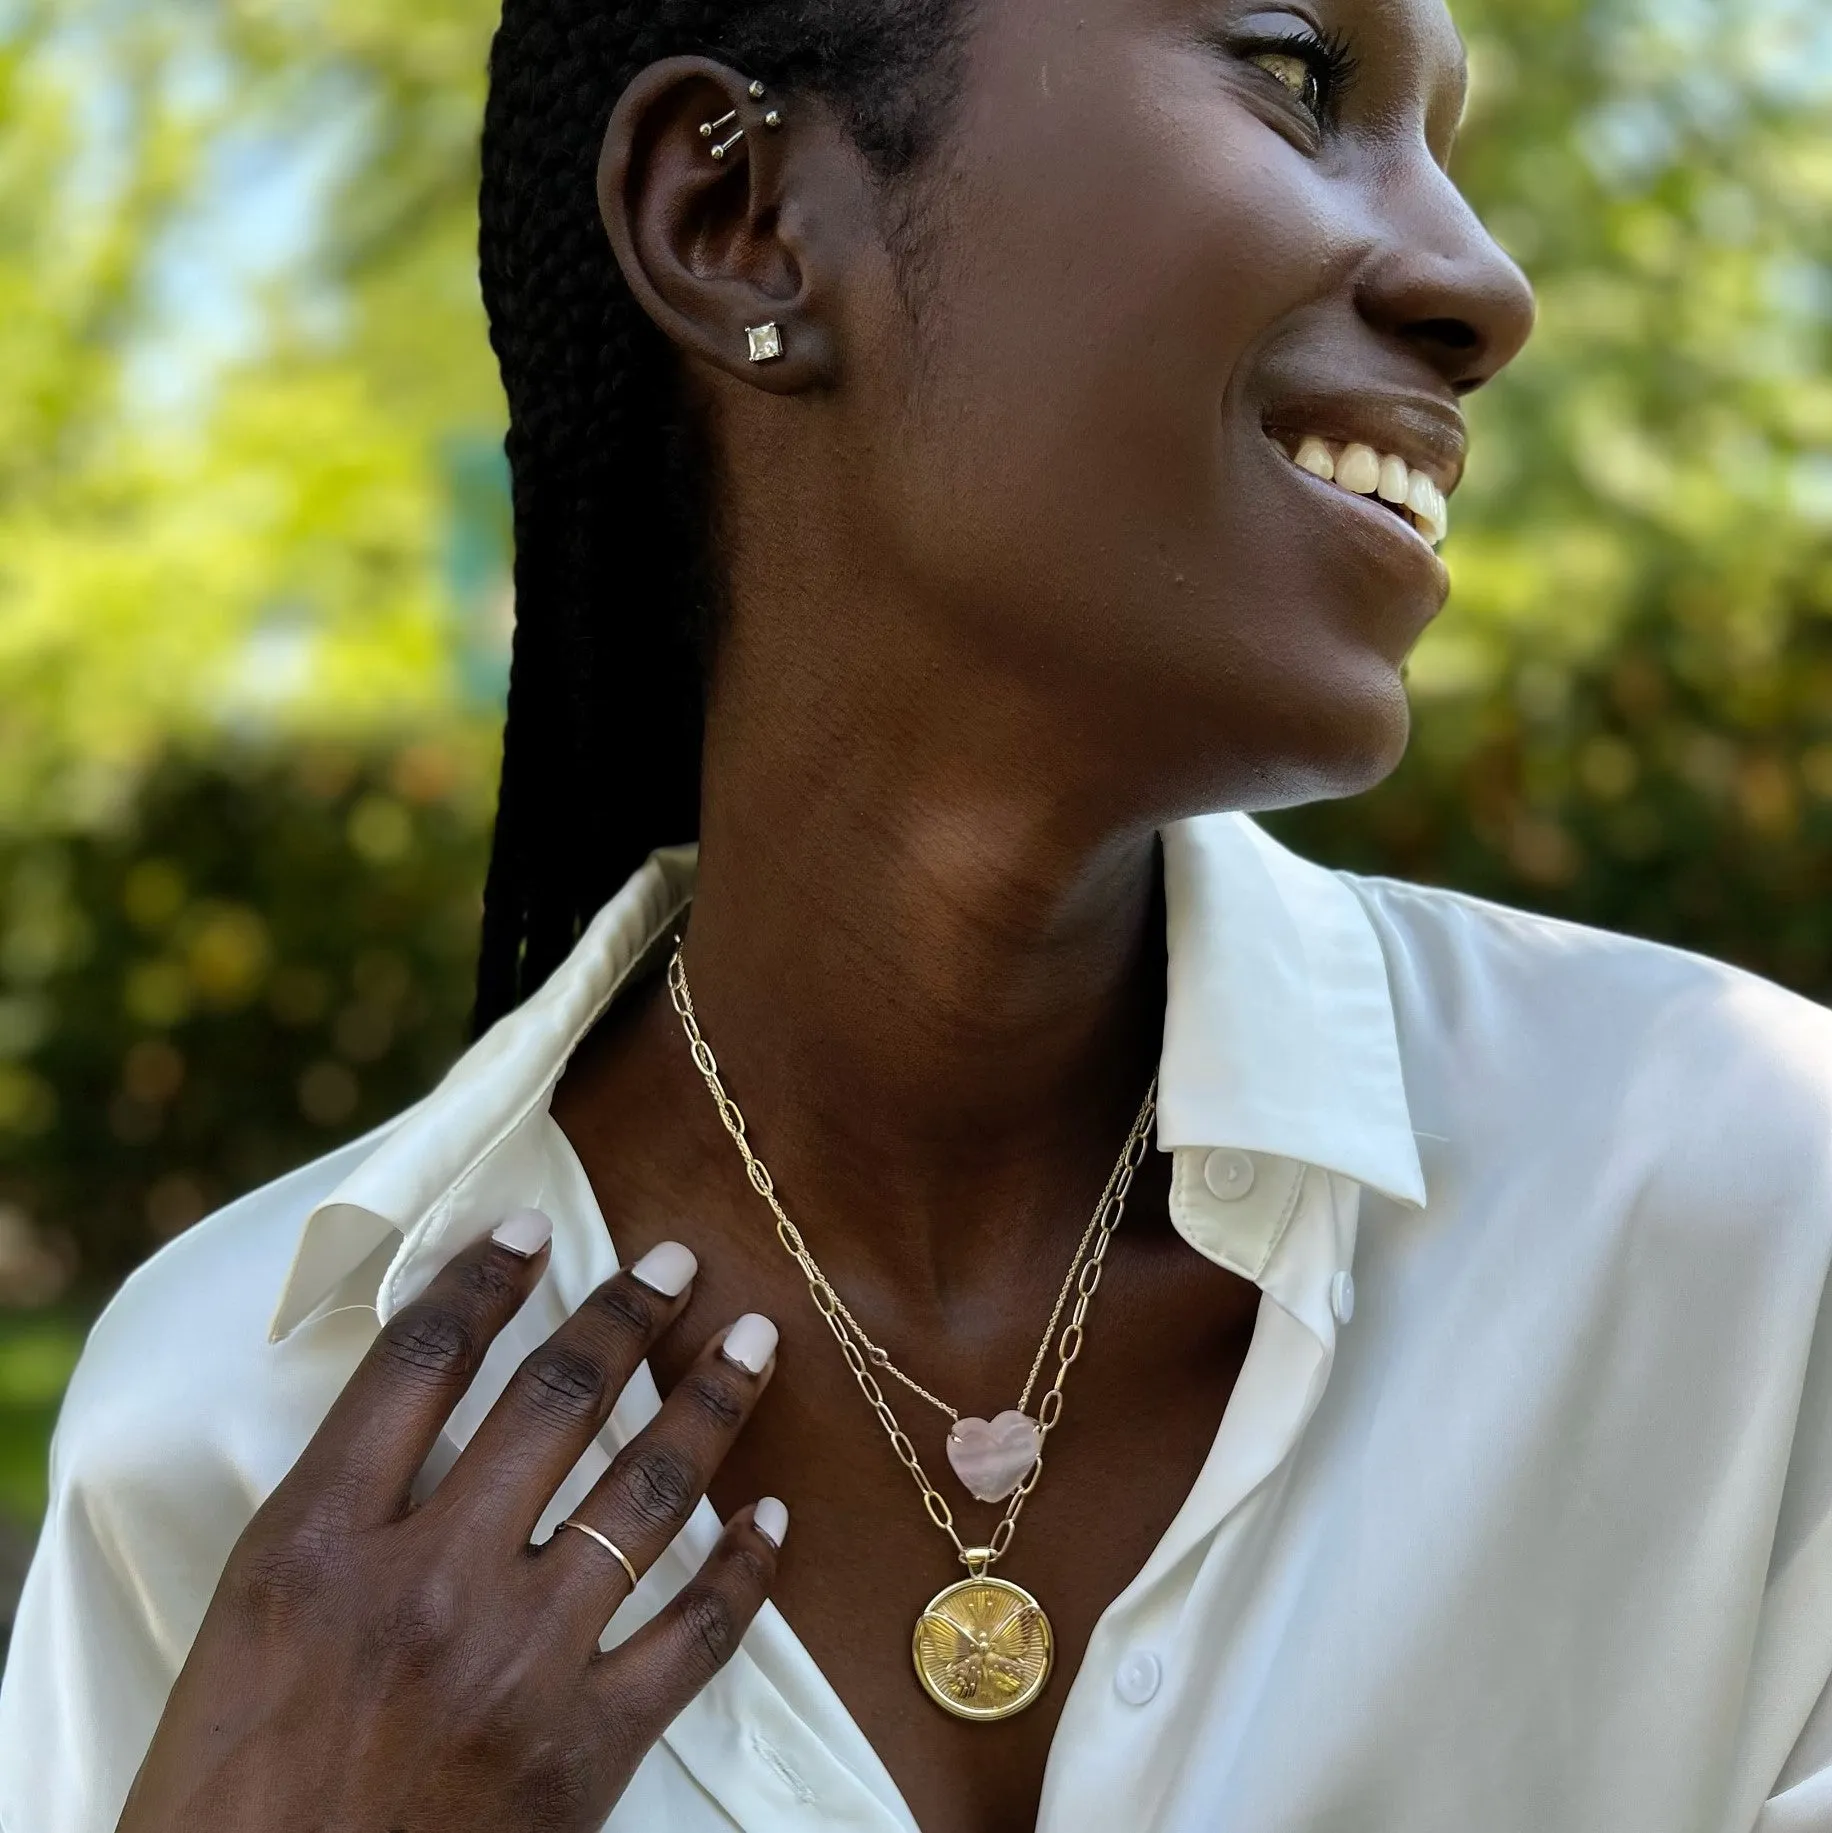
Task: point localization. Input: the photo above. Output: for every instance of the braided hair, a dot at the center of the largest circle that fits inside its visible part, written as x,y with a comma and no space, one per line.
618,587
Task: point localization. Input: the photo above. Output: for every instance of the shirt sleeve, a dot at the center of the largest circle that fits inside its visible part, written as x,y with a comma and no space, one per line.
153,1479
1788,1704
1802,1802
1802,1798
87,1672
1804,1808
181,1417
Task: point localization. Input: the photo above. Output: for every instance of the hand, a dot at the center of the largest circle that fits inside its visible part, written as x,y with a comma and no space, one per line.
371,1663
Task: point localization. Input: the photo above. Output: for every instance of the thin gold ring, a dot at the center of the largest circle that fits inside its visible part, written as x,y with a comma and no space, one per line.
610,1546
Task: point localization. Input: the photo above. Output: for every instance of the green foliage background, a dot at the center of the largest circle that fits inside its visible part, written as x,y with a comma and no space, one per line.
253,600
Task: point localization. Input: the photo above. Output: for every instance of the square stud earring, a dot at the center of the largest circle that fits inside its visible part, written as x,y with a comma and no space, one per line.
766,341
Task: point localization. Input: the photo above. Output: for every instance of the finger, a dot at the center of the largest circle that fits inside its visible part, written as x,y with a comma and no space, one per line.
644,1682
558,1399
656,1481
380,1429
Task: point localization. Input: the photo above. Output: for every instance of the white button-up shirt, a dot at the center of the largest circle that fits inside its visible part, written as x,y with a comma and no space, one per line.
1525,1526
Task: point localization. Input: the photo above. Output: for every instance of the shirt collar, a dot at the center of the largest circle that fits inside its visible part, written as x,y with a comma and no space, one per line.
1279,1038
1279,1034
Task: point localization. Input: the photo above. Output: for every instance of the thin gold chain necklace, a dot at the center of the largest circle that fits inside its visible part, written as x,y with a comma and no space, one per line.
990,1457
982,1647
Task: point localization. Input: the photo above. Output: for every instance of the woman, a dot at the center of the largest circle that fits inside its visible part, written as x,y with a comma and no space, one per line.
965,458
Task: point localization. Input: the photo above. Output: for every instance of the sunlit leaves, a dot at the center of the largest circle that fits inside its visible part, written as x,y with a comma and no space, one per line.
267,550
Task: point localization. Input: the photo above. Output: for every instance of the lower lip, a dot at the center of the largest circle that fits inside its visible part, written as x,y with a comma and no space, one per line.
1396,529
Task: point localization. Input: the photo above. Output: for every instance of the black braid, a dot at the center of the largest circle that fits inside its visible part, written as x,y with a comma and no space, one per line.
617,578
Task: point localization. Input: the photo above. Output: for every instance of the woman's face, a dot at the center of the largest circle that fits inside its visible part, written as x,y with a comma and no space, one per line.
1171,243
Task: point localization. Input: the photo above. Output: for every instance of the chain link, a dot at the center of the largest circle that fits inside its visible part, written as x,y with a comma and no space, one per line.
862,1354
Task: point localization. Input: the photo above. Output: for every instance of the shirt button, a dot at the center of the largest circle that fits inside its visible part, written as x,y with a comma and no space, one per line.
1342,1296
1137,1677
1228,1174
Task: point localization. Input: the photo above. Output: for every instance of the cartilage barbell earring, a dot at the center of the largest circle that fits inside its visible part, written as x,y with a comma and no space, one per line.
720,148
771,117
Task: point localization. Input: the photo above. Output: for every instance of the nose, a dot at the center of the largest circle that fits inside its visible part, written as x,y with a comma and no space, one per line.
1439,283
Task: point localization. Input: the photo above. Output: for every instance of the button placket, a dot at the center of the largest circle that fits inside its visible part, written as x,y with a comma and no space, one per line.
1342,1296
1137,1678
1232,1205
1228,1174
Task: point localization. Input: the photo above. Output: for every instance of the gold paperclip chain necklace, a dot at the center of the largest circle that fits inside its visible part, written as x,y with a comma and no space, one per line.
983,1647
989,1457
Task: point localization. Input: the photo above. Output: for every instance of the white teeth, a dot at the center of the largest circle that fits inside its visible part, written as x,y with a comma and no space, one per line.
1313,456
1426,501
1366,472
1358,469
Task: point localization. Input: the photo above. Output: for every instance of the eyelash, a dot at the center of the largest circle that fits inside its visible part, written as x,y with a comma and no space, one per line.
1328,58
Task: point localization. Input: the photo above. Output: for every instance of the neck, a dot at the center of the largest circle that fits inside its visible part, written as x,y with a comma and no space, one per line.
908,983
933,996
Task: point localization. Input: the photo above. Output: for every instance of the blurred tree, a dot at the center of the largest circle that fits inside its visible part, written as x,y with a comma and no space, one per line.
224,492
275,954
253,604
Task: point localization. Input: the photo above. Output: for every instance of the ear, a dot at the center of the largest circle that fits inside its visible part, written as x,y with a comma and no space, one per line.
712,245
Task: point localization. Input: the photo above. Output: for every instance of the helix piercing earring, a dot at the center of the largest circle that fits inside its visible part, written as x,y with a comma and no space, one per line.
755,92
721,147
709,128
766,341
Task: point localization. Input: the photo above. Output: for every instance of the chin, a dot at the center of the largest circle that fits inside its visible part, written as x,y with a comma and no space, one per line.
1349,743
1382,733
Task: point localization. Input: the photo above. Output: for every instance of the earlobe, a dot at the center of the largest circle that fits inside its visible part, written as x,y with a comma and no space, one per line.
691,179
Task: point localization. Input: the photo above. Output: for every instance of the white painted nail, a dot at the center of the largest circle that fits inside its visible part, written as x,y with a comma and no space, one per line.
750,1342
772,1520
523,1232
667,1268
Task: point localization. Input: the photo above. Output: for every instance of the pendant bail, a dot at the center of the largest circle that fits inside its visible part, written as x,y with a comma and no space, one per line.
977,1560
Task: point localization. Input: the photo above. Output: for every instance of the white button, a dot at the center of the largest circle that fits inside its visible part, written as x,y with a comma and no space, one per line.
1138,1677
1228,1174
1342,1296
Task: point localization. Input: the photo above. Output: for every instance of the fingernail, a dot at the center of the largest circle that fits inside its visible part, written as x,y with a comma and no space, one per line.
524,1232
667,1268
750,1342
771,1520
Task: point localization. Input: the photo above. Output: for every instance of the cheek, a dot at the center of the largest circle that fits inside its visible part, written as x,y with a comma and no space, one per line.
1082,480
1116,254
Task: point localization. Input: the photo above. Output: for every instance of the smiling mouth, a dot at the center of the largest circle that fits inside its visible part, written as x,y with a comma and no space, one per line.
1383,478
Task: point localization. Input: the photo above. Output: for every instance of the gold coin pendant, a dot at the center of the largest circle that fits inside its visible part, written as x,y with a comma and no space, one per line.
983,1648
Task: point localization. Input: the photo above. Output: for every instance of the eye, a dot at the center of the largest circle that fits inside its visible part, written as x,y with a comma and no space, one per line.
1315,71
1296,74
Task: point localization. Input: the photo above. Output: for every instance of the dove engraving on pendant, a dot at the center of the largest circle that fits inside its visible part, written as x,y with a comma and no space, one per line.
991,1456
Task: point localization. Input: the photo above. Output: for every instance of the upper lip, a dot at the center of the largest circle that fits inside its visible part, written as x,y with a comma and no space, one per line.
1429,434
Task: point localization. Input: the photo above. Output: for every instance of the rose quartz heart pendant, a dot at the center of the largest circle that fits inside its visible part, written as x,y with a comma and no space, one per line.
991,1456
